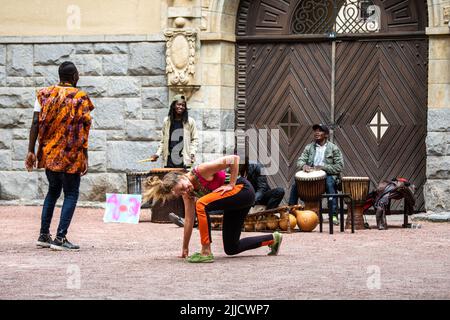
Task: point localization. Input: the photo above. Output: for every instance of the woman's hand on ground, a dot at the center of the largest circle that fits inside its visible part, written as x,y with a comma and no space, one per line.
184,253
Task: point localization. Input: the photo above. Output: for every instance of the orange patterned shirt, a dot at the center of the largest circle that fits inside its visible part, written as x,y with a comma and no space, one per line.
64,123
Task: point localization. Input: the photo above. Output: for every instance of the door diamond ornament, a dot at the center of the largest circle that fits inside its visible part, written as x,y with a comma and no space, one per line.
289,123
379,125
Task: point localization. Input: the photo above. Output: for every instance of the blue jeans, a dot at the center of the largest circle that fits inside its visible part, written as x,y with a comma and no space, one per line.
57,182
330,187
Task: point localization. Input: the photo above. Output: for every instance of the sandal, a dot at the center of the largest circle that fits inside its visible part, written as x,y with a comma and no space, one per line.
199,258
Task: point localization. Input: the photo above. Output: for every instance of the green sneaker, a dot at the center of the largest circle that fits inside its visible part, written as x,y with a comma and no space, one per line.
275,247
196,254
335,220
199,258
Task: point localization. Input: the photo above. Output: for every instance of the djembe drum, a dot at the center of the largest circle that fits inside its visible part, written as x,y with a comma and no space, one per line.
160,212
310,186
358,188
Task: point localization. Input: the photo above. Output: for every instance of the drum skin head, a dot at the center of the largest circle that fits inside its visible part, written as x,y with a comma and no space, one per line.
355,179
313,175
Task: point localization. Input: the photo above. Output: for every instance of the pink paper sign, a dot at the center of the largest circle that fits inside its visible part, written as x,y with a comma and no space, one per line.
122,208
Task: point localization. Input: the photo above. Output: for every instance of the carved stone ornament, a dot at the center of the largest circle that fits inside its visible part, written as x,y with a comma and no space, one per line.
446,11
180,56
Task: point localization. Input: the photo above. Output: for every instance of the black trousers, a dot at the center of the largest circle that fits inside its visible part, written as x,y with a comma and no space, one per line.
272,198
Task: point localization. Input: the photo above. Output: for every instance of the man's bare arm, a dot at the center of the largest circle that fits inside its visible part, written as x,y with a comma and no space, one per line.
34,130
30,160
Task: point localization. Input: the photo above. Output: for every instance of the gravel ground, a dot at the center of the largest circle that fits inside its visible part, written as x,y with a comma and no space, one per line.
121,261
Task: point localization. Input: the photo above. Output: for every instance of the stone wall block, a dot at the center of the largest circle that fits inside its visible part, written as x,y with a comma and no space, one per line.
154,81
141,130
108,114
19,149
2,76
110,48
17,97
438,143
94,86
5,138
439,120
2,55
88,65
132,108
438,167
211,119
93,187
155,98
97,161
123,156
84,48
5,159
14,118
123,87
115,65
117,183
52,54
147,59
19,60
436,194
18,185
97,140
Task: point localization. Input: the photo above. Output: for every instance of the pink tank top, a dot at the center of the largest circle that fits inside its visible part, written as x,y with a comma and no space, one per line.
217,181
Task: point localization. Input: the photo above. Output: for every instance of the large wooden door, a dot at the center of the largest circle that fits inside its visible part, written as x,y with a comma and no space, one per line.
288,88
380,109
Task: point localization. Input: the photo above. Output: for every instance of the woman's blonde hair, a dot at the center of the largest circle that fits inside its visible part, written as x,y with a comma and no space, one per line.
156,189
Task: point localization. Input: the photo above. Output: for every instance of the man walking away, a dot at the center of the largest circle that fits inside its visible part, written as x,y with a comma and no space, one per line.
61,123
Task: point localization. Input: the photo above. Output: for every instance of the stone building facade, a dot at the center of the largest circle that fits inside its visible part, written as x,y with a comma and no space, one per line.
131,75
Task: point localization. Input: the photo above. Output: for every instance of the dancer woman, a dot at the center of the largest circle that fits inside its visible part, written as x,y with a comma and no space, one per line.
203,190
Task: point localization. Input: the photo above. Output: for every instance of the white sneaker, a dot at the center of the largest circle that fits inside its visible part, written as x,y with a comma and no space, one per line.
179,221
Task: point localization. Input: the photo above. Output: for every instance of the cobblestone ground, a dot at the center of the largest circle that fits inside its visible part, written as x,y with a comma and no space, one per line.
120,261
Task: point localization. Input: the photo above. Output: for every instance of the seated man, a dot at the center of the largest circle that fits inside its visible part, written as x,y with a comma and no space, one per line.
271,198
321,155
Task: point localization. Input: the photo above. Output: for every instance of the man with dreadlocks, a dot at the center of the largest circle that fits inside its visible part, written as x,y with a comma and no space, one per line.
179,139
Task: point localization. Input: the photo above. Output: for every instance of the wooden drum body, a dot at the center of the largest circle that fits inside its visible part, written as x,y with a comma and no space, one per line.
160,212
358,188
310,186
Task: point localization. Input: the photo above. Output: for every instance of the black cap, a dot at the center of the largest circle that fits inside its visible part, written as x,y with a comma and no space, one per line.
321,127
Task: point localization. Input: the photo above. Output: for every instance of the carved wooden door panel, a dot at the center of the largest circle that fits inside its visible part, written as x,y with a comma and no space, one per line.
288,88
381,110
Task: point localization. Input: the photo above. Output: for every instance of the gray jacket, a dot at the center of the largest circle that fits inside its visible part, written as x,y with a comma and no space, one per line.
333,159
